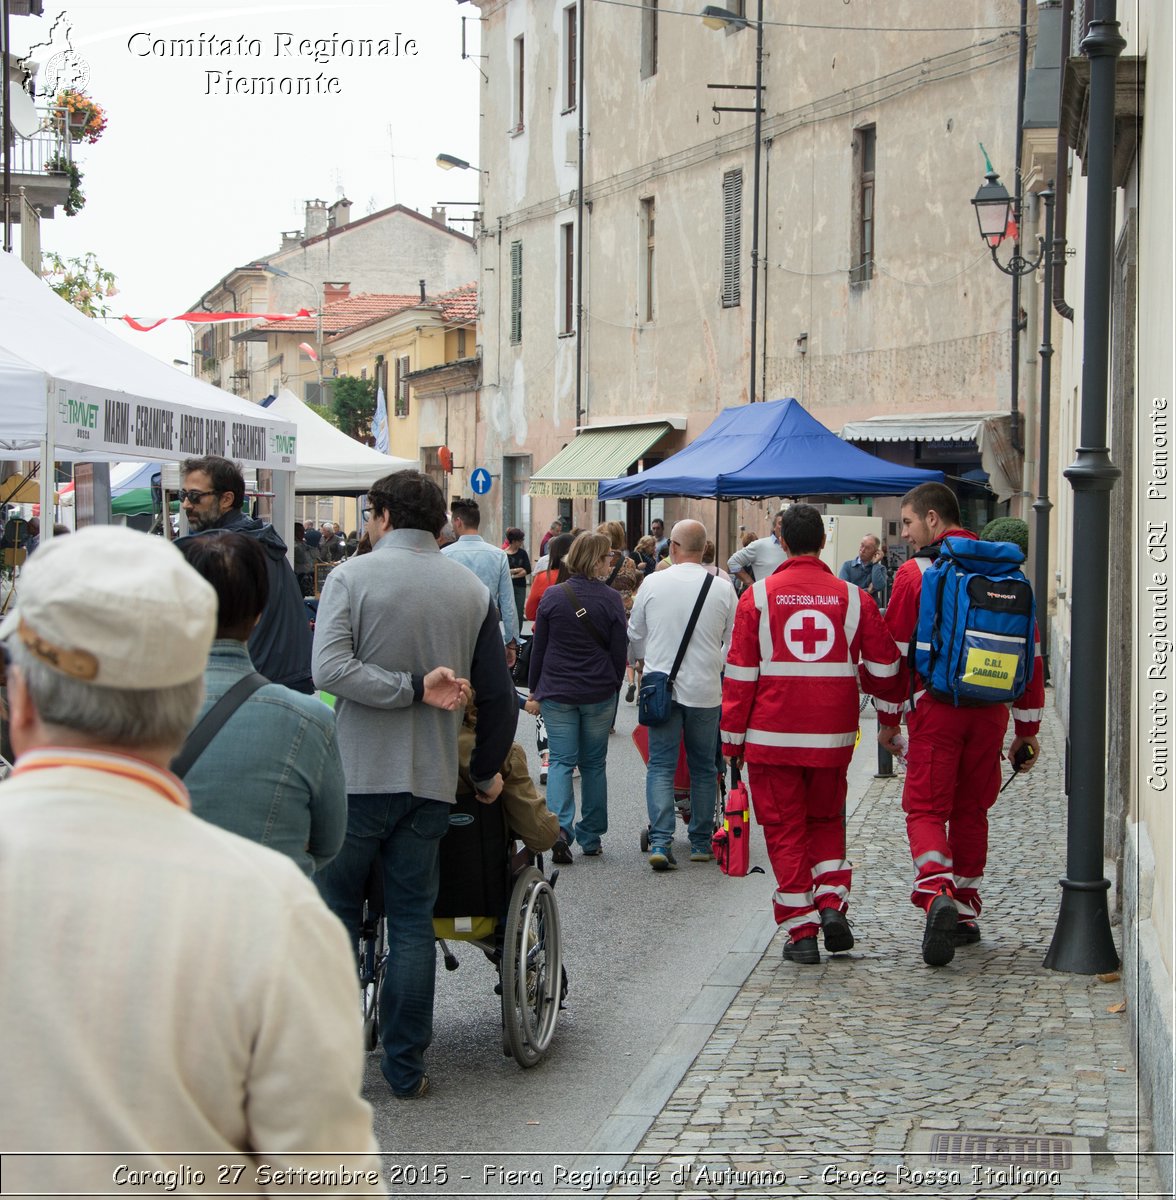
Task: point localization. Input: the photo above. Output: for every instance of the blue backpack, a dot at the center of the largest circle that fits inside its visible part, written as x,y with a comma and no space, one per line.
975,638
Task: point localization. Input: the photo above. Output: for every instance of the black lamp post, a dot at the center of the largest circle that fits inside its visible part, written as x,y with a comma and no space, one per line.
716,17
1082,942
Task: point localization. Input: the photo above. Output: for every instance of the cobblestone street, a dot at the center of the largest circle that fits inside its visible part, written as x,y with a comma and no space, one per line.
874,1073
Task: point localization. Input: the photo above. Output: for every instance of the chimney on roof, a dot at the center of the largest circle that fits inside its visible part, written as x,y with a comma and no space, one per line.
439,215
291,238
335,291
316,217
422,291
339,214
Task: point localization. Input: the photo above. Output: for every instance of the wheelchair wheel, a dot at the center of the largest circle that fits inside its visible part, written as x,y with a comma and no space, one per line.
373,962
531,968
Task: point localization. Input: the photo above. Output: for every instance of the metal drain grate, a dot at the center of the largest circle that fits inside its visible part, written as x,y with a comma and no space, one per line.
1052,1153
1008,1156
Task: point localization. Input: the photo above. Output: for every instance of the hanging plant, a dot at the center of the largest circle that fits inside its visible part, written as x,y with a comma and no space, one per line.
79,116
75,201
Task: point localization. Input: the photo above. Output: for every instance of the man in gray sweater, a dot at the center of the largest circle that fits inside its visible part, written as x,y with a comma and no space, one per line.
400,636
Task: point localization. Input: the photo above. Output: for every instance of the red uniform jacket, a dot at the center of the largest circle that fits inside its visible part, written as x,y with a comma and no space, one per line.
790,690
902,616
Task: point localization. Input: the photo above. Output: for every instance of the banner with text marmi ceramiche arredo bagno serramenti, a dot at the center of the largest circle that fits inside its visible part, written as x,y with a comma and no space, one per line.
112,423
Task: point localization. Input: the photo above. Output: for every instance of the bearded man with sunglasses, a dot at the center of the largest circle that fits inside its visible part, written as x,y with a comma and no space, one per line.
212,496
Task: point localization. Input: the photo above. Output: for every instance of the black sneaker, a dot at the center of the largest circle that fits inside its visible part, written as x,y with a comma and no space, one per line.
561,852
835,927
630,692
804,952
939,936
421,1089
967,933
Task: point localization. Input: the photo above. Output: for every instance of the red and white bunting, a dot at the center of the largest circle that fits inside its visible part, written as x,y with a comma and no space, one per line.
146,324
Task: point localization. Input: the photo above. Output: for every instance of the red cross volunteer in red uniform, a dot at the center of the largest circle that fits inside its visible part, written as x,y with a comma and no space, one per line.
953,761
790,709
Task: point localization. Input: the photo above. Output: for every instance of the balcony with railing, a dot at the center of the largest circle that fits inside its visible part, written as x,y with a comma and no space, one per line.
42,163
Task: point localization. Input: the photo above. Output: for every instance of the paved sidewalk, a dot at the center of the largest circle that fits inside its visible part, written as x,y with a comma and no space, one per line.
875,1074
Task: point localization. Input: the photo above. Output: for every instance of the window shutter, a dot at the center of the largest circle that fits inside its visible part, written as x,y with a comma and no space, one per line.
516,293
732,235
402,369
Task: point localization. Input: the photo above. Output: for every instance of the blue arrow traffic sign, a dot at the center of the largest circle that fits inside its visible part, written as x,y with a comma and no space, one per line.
480,481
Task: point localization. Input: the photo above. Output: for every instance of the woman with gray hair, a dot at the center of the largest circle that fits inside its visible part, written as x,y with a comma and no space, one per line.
577,665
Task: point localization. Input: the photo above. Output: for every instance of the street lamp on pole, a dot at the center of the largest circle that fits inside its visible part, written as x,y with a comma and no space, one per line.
716,17
449,162
994,210
318,319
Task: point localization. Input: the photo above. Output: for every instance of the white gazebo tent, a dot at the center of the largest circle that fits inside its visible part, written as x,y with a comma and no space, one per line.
329,462
71,390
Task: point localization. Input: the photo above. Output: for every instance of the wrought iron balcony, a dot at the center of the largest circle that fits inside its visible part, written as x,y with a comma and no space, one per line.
42,163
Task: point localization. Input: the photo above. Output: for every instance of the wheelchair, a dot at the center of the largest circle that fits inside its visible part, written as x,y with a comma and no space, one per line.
495,896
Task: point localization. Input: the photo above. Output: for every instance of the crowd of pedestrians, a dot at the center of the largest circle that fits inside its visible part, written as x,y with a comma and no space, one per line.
201,816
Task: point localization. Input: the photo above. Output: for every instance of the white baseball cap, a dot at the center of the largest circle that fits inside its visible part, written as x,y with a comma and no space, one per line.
114,608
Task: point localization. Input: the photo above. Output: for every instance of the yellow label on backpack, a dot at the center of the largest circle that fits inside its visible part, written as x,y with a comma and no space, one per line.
989,668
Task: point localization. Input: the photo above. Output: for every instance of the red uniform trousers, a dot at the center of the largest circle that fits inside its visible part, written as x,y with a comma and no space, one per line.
802,812
952,779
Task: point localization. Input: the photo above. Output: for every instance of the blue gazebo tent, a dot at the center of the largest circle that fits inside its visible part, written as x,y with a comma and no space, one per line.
770,449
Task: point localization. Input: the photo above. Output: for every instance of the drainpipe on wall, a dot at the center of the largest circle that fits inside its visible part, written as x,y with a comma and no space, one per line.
1063,153
581,14
1015,433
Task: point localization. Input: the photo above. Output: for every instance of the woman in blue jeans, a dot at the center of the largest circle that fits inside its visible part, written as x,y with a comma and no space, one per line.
577,665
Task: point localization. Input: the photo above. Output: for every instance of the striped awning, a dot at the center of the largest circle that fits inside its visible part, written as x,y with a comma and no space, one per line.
596,454
989,431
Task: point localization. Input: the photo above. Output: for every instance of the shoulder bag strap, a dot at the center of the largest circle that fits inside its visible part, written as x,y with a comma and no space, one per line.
212,721
582,613
690,627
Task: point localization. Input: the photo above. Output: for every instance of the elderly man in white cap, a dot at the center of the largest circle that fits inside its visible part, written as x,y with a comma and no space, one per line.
170,991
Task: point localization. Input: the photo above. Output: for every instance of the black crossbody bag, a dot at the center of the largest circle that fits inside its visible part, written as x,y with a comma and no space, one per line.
582,613
211,723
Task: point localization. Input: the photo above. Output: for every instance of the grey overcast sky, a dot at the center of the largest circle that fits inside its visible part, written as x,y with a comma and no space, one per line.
197,173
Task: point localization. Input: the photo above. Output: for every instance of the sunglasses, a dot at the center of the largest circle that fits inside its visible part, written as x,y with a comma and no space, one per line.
192,496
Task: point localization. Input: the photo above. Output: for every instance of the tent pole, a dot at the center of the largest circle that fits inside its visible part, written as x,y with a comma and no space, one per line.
282,512
47,513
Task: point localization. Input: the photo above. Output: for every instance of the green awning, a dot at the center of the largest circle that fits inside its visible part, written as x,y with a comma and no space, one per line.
596,454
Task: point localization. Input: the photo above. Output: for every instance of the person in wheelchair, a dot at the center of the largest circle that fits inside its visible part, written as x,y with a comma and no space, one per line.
493,896
526,812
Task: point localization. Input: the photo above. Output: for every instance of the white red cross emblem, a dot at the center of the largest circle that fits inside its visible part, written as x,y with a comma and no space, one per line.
809,634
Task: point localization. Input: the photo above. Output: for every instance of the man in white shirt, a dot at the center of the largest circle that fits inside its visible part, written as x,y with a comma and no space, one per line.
760,558
657,625
171,994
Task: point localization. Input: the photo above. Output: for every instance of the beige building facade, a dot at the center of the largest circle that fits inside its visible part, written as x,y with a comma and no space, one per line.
394,251
631,295
406,352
